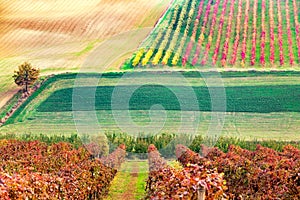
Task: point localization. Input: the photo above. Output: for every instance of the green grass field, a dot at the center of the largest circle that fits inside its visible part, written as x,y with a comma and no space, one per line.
259,105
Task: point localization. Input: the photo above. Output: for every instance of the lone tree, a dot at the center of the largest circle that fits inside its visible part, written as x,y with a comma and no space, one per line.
26,75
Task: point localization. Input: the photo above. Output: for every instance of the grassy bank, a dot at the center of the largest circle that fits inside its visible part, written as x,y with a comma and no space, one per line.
260,105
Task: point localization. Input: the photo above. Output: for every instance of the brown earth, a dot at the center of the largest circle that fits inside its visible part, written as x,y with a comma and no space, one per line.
41,23
7,96
57,36
129,193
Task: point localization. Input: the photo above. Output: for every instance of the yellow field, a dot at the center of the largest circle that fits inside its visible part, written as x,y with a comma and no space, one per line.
56,36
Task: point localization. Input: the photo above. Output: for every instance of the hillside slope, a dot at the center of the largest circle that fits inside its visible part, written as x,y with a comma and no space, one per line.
56,36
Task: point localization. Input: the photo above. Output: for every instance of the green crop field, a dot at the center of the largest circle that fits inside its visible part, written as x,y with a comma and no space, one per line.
259,105
263,99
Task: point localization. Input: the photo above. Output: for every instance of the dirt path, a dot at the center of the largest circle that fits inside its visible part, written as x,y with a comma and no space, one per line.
7,96
129,182
131,188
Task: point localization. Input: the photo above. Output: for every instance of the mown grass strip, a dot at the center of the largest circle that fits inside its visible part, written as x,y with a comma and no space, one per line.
130,181
120,183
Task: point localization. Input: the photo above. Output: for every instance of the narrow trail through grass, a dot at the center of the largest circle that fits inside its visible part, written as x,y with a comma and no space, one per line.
129,182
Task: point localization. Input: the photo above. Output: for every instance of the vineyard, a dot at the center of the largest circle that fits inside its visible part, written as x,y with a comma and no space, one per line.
230,133
224,33
237,174
34,170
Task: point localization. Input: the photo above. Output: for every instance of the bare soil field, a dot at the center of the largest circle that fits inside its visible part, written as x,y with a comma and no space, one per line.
57,35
